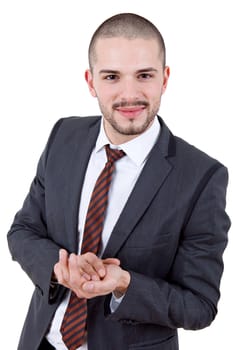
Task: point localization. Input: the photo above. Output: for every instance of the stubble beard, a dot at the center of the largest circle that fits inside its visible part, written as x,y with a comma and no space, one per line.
132,129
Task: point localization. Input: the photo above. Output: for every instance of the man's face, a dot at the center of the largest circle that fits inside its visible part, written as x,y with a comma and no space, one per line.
128,80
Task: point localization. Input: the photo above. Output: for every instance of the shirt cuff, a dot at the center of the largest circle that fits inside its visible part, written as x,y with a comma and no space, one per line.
115,302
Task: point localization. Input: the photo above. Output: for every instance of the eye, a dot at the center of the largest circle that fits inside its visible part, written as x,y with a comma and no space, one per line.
145,76
111,77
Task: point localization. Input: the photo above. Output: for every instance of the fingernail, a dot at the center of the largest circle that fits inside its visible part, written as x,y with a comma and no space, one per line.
101,272
95,278
86,276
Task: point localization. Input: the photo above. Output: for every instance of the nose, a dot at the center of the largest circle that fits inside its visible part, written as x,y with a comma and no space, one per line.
129,90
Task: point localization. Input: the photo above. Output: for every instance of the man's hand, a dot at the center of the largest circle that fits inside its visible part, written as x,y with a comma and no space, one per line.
89,276
115,281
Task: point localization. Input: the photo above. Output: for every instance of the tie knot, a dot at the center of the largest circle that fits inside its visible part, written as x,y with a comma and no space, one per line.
113,154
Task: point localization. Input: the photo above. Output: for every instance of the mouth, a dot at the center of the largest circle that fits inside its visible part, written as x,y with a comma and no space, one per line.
130,111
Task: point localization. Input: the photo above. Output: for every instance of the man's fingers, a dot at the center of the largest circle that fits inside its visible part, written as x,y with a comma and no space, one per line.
63,256
61,268
99,287
63,260
74,270
57,272
92,265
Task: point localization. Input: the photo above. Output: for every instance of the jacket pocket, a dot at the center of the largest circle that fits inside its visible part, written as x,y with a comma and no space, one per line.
170,343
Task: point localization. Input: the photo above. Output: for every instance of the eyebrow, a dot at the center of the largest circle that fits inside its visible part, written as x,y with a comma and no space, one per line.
112,71
149,69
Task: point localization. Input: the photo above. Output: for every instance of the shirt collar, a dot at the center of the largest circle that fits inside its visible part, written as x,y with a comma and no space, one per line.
137,149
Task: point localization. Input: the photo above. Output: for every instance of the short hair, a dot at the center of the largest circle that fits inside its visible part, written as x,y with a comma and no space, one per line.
129,26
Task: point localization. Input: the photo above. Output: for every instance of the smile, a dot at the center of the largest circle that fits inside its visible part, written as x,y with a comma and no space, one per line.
131,111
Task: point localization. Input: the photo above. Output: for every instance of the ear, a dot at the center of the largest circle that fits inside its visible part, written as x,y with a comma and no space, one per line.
165,78
89,80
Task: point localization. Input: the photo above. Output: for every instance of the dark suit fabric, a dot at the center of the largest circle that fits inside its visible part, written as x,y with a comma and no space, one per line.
170,237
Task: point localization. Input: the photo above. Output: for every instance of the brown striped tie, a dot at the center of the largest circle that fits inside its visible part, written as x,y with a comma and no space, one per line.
74,322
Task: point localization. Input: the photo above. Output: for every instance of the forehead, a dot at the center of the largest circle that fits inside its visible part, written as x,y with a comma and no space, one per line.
119,52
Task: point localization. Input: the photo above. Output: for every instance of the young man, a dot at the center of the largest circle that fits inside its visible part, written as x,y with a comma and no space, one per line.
145,256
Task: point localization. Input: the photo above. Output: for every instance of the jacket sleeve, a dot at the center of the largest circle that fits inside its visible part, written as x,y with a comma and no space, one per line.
27,239
189,295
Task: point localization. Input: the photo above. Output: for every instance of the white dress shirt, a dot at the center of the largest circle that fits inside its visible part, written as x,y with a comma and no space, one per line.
127,171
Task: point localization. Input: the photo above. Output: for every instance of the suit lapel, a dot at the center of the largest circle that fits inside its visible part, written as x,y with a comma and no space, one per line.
155,172
85,140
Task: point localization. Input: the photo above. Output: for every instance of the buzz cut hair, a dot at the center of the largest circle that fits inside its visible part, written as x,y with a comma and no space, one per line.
129,26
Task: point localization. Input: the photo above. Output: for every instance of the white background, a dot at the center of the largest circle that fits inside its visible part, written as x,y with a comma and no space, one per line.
43,55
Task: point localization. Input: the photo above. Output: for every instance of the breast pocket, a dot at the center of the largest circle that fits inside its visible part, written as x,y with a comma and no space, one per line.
149,257
170,343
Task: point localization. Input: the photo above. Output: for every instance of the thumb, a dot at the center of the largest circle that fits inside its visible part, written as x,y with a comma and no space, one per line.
113,261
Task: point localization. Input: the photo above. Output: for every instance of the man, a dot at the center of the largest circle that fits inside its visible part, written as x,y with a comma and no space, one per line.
158,263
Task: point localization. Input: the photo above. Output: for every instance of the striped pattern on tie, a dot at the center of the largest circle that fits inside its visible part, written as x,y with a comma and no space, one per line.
73,327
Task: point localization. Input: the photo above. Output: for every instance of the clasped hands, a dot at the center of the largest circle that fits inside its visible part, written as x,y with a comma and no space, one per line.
89,276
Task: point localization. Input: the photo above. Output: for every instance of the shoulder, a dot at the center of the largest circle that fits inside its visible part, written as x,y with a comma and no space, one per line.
73,126
188,161
185,152
191,153
67,131
194,164
79,122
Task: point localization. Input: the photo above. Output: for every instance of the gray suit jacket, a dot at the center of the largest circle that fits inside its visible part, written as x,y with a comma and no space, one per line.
170,237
